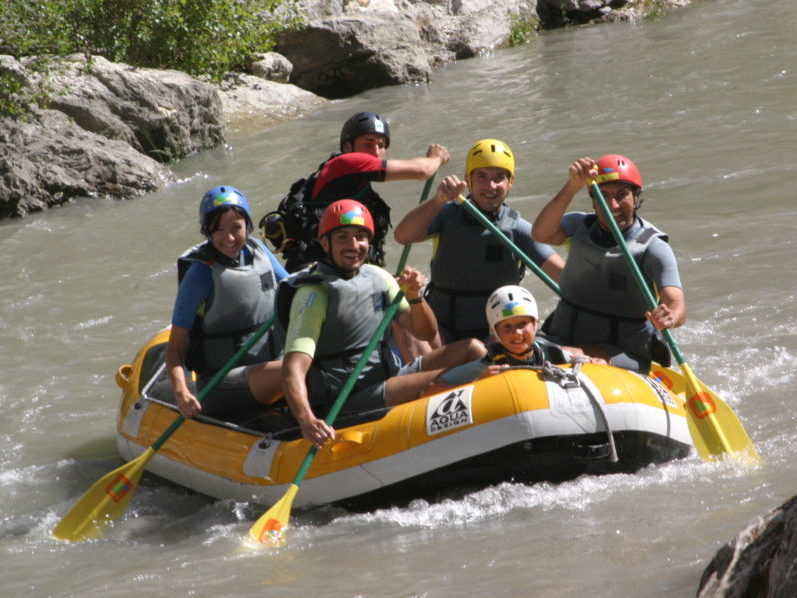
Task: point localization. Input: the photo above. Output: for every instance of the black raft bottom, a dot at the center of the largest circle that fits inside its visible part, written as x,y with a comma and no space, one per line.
555,459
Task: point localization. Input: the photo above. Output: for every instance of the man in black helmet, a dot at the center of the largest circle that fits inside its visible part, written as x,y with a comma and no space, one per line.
364,140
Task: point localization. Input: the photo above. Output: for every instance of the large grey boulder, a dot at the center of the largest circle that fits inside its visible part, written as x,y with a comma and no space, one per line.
109,129
104,132
761,562
342,56
164,114
347,48
251,103
556,13
48,160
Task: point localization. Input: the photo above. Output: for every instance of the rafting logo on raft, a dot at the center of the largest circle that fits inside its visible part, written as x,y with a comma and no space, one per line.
660,391
449,410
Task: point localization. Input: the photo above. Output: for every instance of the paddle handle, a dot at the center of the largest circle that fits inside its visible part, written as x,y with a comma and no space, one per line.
507,242
214,381
406,251
350,382
640,279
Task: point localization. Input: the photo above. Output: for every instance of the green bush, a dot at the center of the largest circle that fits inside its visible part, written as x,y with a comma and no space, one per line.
200,37
205,38
523,29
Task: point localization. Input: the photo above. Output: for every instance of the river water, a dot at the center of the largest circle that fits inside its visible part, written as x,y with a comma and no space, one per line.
703,101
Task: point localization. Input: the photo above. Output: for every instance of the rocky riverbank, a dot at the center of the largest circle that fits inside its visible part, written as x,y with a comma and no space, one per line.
111,130
759,562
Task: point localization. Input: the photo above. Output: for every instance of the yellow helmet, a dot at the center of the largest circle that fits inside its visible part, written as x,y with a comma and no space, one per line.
490,152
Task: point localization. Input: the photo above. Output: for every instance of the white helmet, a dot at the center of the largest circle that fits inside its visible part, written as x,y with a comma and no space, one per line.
507,302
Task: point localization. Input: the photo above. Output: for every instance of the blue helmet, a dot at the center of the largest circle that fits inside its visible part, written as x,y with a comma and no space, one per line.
220,197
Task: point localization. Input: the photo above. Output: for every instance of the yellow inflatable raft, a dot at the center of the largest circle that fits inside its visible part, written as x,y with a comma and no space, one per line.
524,425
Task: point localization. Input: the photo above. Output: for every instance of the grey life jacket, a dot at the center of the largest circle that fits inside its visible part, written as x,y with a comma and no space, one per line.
243,299
469,259
468,265
355,310
601,302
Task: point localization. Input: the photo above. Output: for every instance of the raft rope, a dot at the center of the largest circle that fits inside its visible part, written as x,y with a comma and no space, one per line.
571,378
152,381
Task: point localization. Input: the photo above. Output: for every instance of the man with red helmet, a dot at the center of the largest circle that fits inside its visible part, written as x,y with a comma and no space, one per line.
332,309
601,308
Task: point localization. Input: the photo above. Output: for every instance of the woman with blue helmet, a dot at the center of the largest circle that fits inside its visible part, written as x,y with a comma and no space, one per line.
226,292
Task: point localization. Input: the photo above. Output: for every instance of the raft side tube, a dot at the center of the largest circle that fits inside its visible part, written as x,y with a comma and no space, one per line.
453,437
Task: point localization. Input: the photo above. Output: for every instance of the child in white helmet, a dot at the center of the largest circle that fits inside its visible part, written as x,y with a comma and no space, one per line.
513,318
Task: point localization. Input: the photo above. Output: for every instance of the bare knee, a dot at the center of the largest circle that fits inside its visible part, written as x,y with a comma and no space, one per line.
265,381
463,351
471,348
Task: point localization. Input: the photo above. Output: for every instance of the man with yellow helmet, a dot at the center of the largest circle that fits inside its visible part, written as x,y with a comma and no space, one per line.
469,262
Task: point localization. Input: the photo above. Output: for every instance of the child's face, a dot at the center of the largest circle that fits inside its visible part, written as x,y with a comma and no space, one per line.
516,334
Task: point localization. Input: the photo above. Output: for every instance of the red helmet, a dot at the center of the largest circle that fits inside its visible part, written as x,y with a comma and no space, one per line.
614,167
345,212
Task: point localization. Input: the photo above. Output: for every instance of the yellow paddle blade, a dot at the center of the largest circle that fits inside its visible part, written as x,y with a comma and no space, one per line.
272,526
105,501
715,427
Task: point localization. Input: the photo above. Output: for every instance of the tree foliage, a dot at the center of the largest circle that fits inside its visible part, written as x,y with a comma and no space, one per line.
205,37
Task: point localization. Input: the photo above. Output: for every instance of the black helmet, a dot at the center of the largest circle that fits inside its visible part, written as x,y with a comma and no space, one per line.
363,123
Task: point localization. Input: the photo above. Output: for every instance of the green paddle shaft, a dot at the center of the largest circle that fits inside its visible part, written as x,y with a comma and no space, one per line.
99,505
406,252
714,426
350,382
476,213
214,381
638,277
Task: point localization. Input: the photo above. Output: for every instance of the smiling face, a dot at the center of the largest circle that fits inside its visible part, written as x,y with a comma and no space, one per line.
516,334
229,234
347,247
622,203
489,187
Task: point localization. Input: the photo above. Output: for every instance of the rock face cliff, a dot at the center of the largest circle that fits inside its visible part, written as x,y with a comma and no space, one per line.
761,562
110,130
